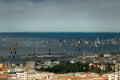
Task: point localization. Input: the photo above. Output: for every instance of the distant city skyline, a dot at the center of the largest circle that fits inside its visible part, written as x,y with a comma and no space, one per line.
59,15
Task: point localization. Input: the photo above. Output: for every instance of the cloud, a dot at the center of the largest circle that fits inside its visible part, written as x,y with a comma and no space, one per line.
59,15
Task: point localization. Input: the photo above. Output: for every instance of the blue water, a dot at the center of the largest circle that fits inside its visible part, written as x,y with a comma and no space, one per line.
59,42
60,34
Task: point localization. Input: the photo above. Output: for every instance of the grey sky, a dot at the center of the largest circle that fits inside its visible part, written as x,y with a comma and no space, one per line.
60,15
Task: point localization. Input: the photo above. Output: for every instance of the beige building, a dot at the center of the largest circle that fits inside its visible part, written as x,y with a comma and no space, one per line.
30,64
106,55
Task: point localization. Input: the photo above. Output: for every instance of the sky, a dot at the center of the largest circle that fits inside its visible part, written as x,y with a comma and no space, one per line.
59,15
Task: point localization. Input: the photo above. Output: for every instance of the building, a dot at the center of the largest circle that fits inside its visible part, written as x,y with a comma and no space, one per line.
107,55
30,64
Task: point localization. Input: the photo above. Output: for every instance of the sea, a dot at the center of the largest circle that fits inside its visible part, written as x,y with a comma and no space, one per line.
78,43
